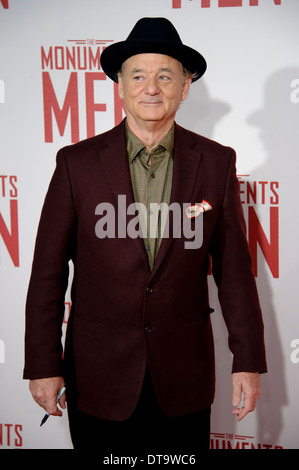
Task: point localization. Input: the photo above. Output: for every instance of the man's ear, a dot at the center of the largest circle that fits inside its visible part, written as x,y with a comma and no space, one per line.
186,87
120,86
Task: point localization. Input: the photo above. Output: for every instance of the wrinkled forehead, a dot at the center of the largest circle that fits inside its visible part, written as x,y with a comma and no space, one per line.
151,62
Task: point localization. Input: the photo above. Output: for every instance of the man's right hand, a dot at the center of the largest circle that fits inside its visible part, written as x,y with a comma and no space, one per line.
45,391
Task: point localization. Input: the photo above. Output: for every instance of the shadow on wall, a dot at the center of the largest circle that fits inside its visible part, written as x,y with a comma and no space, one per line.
200,113
278,124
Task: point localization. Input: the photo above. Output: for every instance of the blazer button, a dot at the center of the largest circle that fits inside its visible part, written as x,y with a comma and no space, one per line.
149,290
147,330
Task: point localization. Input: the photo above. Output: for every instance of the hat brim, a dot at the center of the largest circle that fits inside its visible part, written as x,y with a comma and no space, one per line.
113,56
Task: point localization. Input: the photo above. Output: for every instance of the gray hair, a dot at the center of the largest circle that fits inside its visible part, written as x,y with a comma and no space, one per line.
186,73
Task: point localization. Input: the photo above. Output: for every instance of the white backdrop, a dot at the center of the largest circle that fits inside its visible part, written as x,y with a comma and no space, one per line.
52,93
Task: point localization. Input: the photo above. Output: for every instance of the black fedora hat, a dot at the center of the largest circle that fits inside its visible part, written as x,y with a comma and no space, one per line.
156,35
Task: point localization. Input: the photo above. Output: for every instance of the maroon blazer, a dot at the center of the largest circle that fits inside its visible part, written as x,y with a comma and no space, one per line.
124,315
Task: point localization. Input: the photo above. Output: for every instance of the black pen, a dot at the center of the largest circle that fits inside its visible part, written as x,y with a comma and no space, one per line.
57,400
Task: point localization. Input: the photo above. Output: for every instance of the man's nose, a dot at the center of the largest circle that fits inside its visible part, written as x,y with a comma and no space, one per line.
152,87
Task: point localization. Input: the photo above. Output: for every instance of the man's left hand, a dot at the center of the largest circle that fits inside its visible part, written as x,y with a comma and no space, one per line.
247,383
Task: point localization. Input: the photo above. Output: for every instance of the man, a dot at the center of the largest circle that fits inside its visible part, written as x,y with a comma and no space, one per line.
139,347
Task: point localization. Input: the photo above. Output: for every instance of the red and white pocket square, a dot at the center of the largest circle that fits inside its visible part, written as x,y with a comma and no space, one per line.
195,209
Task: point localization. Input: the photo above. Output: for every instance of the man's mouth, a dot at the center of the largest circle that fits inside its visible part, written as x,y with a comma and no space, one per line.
151,103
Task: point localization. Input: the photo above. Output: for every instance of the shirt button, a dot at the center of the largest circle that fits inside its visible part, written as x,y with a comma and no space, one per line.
149,290
153,175
147,330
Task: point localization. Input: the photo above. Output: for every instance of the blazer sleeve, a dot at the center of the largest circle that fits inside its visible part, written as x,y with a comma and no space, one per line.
233,274
54,249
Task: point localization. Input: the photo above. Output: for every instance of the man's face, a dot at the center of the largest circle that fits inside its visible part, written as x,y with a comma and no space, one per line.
152,87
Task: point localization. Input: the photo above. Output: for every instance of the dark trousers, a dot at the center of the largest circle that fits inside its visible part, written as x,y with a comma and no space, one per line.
147,430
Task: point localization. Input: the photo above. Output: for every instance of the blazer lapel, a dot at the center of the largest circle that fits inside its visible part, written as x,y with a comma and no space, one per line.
114,160
185,173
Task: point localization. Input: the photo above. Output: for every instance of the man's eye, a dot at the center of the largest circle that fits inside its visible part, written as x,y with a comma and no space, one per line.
164,77
137,78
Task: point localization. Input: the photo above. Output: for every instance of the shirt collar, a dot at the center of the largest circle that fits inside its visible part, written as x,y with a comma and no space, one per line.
134,145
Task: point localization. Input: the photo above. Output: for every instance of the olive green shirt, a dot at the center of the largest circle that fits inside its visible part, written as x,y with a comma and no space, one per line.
151,176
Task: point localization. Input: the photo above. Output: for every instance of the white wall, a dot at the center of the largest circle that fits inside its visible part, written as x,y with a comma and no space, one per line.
248,99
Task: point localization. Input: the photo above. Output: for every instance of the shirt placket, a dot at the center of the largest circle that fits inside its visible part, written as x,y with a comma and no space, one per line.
157,166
